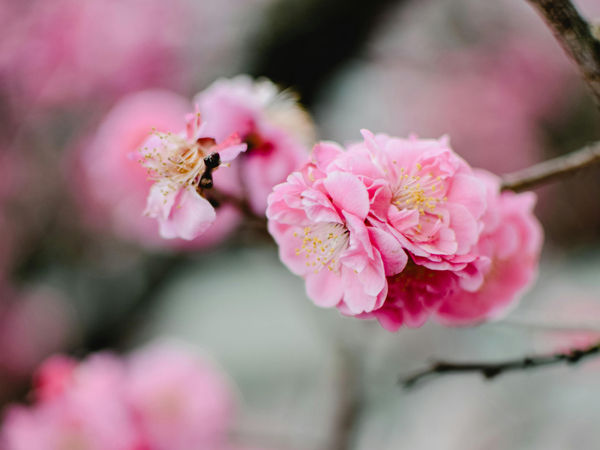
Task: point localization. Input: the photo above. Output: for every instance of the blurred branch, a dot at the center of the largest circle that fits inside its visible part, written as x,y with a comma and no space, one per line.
305,43
552,169
350,400
576,37
241,204
492,370
114,334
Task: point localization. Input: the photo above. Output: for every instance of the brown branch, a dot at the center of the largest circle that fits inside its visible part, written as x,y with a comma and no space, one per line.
492,370
241,204
552,170
576,37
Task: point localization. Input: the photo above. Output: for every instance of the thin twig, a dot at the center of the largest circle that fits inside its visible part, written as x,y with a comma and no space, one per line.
492,370
575,36
552,170
241,204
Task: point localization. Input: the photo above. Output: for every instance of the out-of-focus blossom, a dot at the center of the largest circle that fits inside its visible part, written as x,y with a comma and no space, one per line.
491,99
277,130
89,414
509,247
114,186
181,401
56,52
162,397
182,166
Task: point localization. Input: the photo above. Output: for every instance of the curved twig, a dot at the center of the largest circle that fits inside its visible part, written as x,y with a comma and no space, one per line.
492,370
553,169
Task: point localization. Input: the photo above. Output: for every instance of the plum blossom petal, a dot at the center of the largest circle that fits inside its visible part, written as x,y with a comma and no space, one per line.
347,191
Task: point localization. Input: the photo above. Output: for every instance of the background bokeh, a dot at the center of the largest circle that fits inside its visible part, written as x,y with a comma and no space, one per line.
73,279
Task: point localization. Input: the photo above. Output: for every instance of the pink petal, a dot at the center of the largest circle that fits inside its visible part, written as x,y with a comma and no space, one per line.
230,148
393,255
325,288
193,216
348,193
324,153
318,207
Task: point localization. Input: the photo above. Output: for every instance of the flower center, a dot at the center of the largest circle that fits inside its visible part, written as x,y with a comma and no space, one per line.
422,191
257,144
322,244
177,161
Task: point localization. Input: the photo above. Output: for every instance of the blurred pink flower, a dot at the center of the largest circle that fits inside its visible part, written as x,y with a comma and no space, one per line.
180,401
511,242
278,131
181,166
115,186
161,397
61,51
89,414
504,92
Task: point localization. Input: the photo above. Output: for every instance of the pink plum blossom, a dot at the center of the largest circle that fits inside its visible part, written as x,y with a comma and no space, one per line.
180,400
506,264
89,414
160,397
401,230
114,187
436,201
321,220
181,166
278,131
509,249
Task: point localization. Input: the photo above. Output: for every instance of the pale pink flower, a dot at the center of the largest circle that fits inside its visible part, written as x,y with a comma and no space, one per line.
161,397
278,131
89,414
509,250
181,166
180,399
114,187
321,220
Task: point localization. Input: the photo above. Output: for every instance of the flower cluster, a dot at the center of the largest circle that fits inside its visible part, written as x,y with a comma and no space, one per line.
159,398
403,229
263,130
